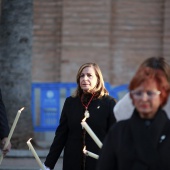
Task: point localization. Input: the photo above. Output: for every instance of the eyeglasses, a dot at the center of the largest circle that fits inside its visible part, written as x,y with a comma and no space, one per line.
150,94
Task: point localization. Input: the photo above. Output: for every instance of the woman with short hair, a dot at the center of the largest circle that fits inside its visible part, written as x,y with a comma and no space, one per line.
141,142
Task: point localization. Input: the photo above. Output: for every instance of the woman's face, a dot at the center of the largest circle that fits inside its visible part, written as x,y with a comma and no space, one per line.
88,79
146,99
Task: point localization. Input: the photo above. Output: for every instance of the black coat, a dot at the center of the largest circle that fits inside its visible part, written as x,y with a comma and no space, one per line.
137,144
69,134
4,128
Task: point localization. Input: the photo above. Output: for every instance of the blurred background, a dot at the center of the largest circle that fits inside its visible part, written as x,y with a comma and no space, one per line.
44,42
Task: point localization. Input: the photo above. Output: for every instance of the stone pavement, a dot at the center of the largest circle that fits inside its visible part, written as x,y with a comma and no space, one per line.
24,160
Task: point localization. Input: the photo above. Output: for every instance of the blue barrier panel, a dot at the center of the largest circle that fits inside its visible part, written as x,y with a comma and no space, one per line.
118,91
49,107
48,100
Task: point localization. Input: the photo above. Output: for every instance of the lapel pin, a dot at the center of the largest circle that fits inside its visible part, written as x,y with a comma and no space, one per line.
162,138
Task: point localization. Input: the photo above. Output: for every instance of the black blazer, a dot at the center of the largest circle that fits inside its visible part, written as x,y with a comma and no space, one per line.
137,144
69,134
4,128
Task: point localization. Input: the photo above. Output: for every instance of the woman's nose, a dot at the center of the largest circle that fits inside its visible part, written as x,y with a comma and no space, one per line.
144,96
85,77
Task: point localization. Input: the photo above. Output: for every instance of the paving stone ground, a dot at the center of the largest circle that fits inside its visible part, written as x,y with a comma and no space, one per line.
24,161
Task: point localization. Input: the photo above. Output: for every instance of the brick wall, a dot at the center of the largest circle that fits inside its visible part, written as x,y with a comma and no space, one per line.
137,31
117,34
86,36
47,19
166,37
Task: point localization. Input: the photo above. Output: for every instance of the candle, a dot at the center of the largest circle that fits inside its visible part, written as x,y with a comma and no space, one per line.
91,133
91,154
35,154
11,131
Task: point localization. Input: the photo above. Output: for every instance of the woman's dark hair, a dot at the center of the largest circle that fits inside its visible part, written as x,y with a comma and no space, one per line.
158,63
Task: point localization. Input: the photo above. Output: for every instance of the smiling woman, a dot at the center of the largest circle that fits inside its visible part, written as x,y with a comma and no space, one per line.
90,100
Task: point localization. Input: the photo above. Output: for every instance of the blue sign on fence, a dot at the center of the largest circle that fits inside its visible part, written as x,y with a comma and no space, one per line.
48,100
49,108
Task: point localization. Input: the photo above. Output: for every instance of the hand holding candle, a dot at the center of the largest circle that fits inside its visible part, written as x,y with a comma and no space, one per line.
11,132
6,149
88,153
91,133
35,154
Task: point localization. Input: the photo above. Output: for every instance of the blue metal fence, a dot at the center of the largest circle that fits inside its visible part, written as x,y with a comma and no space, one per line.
48,100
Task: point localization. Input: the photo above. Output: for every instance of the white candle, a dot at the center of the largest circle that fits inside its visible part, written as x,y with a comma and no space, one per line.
91,154
91,133
11,131
35,154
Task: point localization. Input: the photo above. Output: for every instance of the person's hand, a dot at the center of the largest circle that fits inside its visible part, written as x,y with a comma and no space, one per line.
8,148
46,168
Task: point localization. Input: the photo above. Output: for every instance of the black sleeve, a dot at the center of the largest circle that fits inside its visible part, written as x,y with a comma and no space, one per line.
59,139
107,158
4,127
